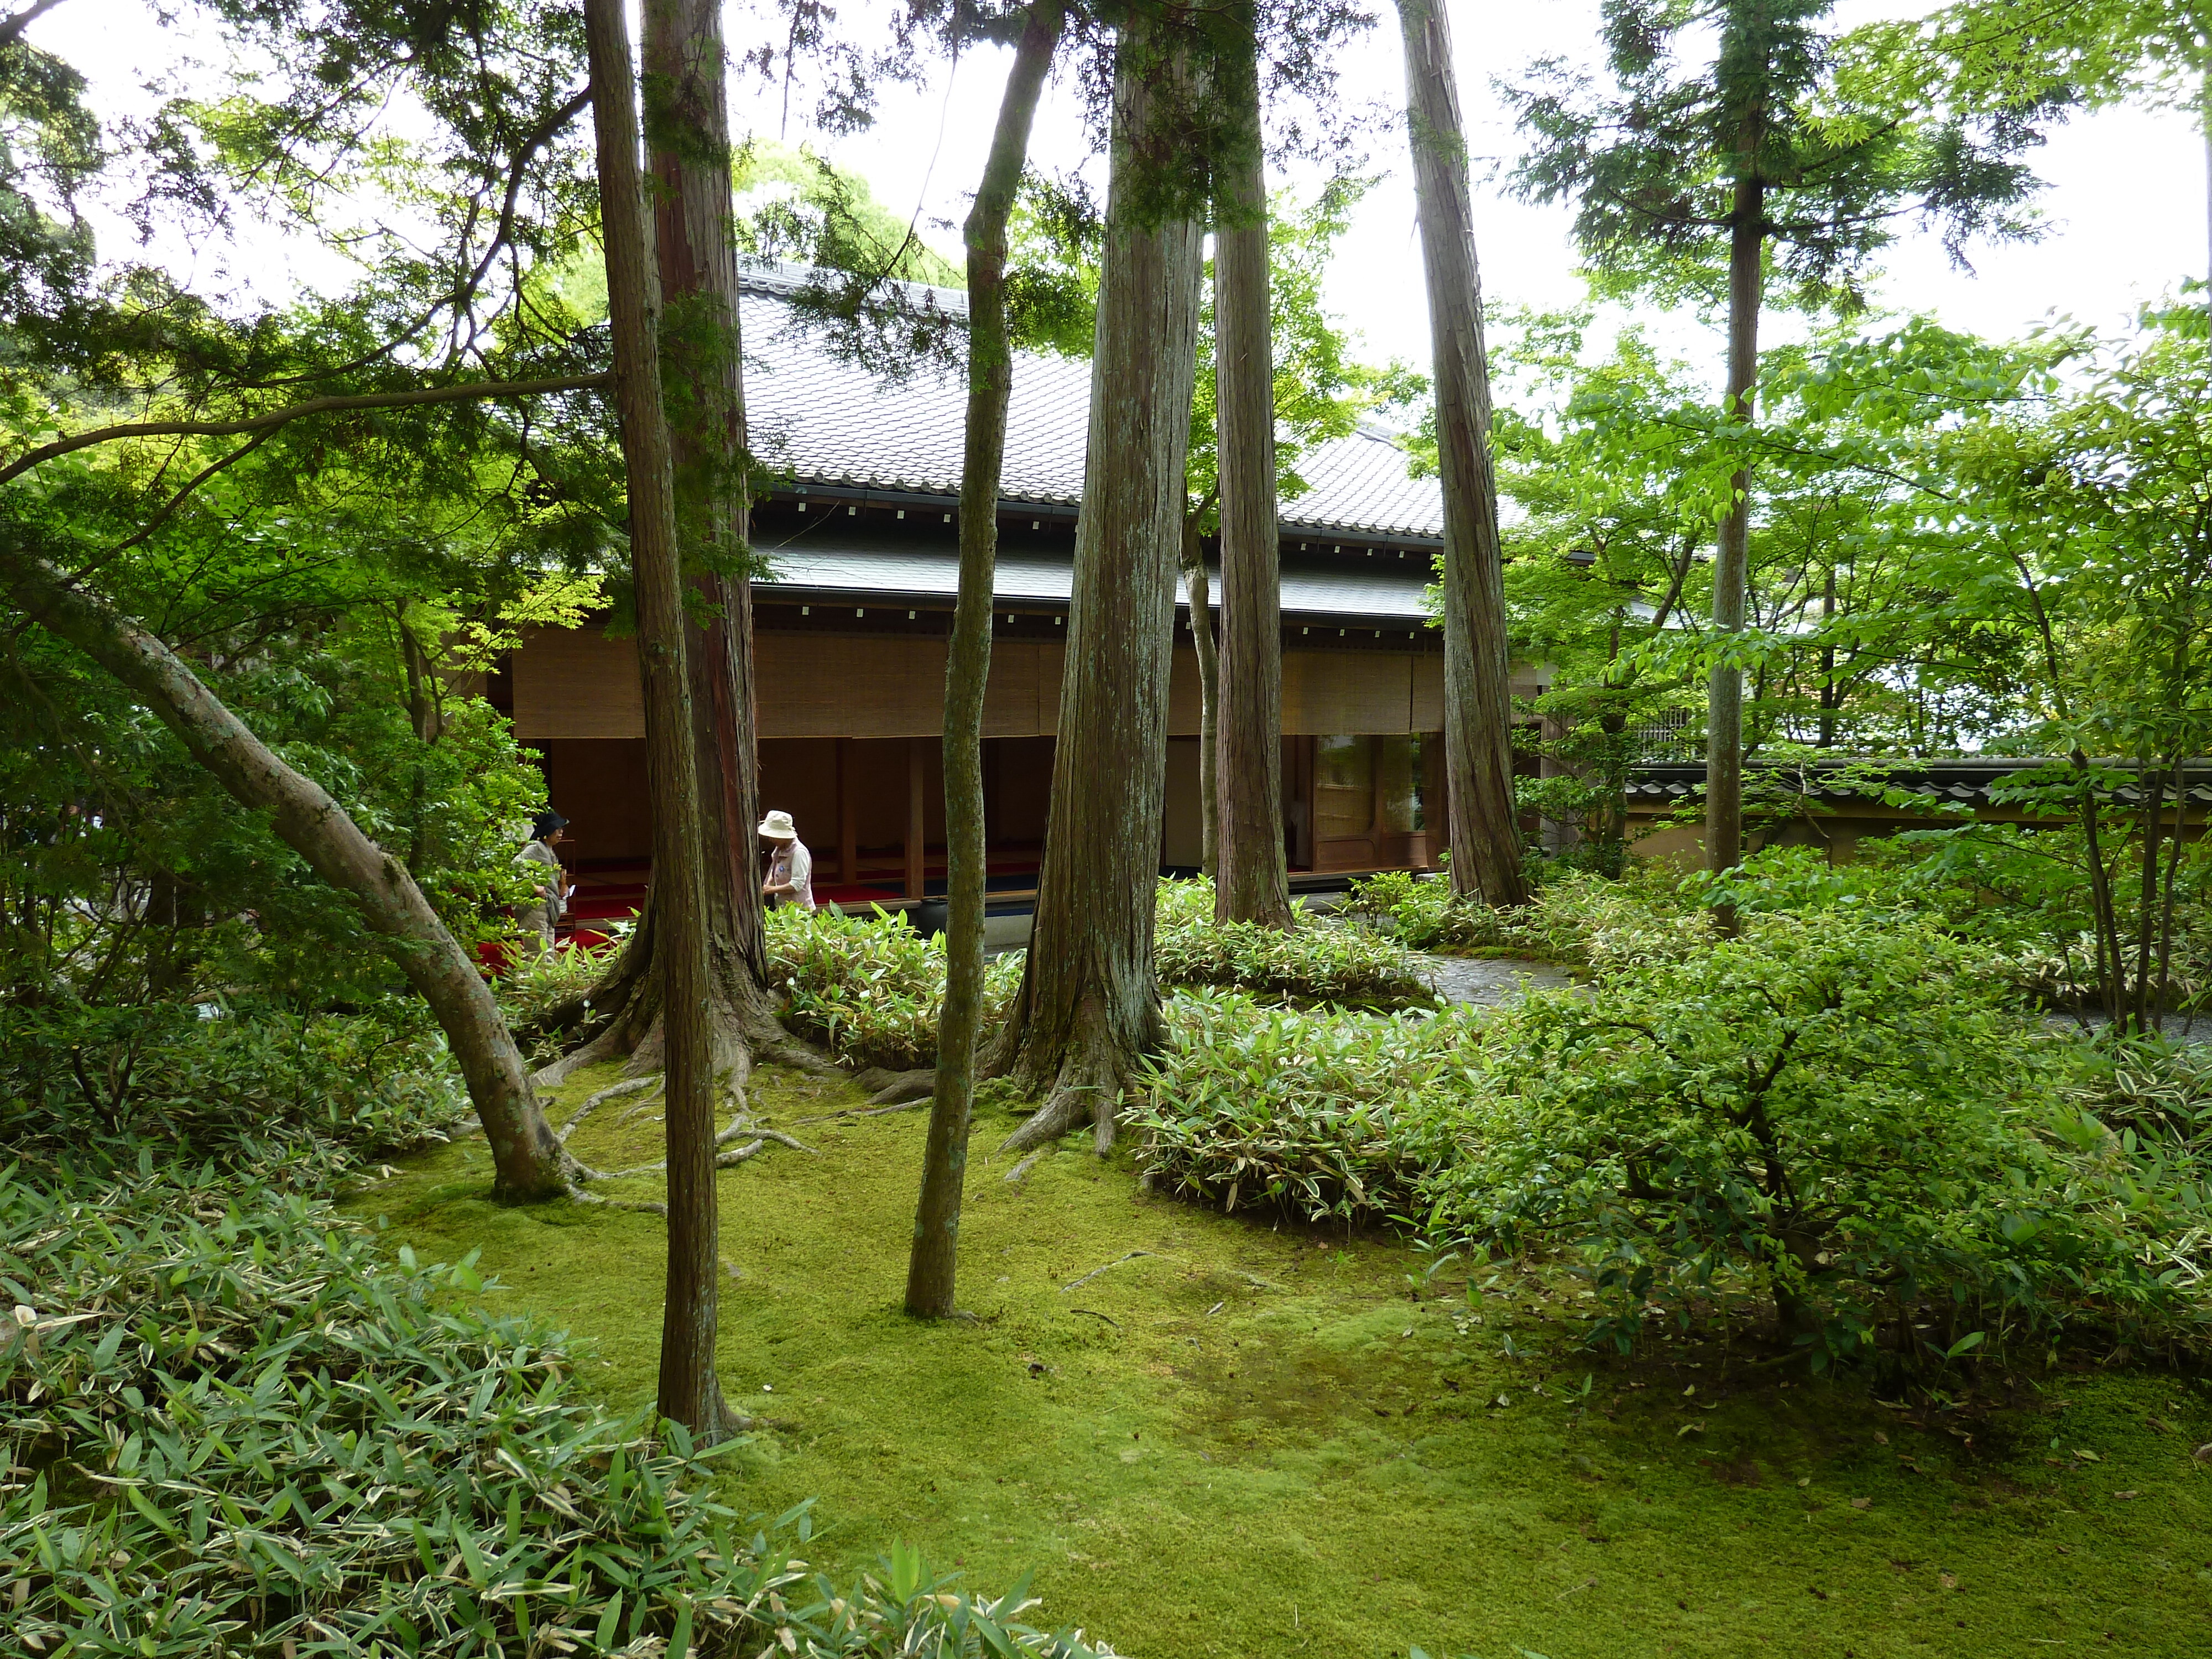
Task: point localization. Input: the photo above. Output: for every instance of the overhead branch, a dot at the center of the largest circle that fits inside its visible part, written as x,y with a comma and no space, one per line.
503,238
467,392
12,29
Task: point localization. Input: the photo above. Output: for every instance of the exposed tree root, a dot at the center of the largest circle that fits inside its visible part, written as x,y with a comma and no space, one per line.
1066,1108
1028,1163
740,1125
582,1196
1128,1257
887,1088
1080,1072
630,1087
862,1111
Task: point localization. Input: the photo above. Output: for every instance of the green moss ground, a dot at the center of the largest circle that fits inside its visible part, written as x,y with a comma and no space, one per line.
1251,1440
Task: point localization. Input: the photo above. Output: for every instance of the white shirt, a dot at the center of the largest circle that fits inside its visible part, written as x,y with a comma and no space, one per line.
791,862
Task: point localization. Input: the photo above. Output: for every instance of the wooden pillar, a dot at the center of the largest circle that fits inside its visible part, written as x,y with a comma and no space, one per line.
1436,800
915,865
848,817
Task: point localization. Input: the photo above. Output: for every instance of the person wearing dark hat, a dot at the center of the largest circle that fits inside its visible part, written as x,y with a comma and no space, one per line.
549,881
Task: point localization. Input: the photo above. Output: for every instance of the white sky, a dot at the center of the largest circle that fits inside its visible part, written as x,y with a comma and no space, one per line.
2126,202
2126,205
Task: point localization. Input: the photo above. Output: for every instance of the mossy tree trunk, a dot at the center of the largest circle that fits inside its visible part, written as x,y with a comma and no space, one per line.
1486,852
1252,883
688,1392
1089,1003
932,1264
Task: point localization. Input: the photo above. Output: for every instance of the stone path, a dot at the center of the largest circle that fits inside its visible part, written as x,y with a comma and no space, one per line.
1487,982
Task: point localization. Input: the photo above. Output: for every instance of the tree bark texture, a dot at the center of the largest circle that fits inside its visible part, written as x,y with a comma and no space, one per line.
526,1159
688,139
933,1261
689,1391
1252,883
1088,1006
1197,586
1485,850
1732,560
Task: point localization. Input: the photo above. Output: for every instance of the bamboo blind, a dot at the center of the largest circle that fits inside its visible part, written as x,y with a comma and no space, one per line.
577,682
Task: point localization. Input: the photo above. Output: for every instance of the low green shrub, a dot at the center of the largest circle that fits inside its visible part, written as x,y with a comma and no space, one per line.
1311,963
869,989
1322,1113
1422,913
1851,1115
1576,917
2155,1089
245,1430
1846,1113
302,1097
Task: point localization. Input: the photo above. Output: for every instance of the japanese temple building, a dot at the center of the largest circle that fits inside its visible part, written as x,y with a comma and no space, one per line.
852,623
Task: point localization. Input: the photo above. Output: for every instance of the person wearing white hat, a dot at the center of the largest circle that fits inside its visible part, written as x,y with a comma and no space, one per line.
790,865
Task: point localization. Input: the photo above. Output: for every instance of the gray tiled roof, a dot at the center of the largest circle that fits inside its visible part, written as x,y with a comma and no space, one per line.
1969,779
831,563
832,423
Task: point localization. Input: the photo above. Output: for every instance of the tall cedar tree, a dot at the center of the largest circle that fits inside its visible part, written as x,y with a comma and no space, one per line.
689,1393
1748,162
1250,881
1089,1003
1485,847
934,1263
687,129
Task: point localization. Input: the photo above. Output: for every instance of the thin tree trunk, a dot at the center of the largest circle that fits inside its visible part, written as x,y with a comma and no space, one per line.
1731,565
1088,1006
424,716
526,1159
2110,963
688,1392
1251,884
2151,784
2172,885
1197,586
932,1264
1486,851
1828,665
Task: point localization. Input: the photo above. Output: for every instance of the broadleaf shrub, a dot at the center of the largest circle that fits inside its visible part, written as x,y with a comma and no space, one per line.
1847,1113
